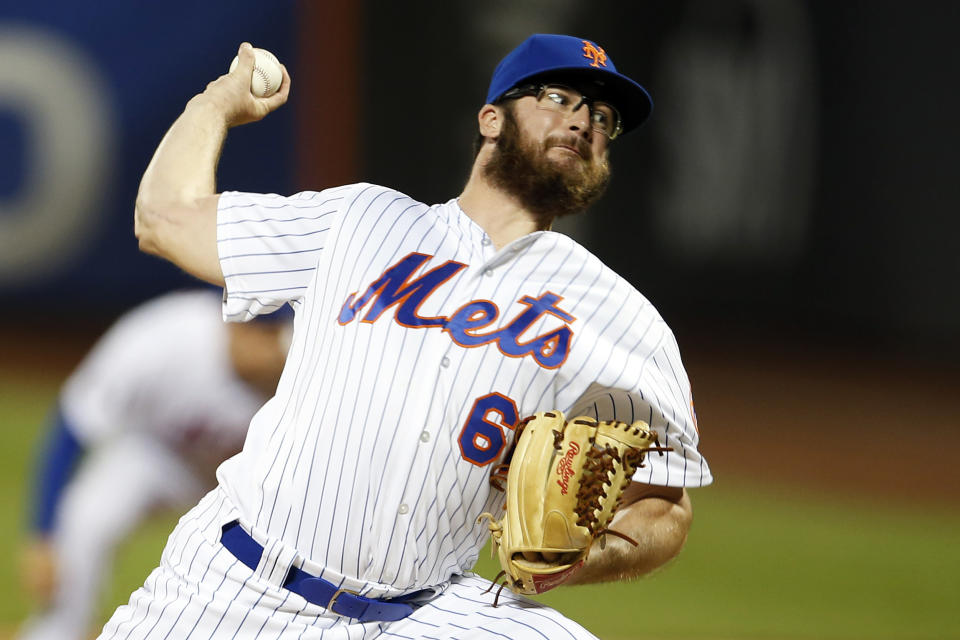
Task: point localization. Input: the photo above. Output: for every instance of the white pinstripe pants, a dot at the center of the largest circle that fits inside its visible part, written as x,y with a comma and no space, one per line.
200,590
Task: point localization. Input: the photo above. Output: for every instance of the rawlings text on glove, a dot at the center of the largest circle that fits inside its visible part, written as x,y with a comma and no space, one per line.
564,482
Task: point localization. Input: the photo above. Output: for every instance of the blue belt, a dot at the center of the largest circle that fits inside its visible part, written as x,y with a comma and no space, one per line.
317,590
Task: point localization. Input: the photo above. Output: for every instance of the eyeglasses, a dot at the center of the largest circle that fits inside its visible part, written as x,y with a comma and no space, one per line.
604,118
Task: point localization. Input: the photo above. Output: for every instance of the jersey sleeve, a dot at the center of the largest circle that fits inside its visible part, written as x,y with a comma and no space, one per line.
639,375
666,407
54,469
269,246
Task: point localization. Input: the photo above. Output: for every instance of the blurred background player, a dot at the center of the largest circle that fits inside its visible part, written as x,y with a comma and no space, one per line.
142,423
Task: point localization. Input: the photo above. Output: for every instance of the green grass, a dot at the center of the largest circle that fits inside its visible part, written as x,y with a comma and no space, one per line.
761,563
776,564
23,406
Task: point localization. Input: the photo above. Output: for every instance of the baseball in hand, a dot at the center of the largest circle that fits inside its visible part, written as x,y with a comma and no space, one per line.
267,75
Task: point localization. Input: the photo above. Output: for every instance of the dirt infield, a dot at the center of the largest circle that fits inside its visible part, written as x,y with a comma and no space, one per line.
838,420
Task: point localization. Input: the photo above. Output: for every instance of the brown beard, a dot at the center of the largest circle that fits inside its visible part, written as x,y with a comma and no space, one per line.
520,167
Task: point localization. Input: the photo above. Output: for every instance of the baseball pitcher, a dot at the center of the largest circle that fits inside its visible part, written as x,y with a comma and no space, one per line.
456,369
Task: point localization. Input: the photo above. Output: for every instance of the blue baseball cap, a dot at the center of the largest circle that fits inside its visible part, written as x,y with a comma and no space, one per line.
572,59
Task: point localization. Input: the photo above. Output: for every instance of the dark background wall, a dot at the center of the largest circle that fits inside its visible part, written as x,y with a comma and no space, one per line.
796,179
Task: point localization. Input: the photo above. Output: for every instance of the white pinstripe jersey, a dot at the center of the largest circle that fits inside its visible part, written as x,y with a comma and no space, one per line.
173,346
417,347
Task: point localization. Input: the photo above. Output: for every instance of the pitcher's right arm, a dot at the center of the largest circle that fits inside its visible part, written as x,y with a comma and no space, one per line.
176,210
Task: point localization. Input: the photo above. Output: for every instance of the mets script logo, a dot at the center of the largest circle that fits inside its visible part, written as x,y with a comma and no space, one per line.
595,53
565,467
397,287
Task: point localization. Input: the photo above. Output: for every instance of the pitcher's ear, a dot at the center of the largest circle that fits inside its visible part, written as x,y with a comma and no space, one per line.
490,120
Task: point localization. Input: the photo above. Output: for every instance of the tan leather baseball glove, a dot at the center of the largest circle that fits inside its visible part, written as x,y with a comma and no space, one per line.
564,480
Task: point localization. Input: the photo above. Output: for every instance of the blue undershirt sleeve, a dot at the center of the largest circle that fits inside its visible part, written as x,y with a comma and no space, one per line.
55,465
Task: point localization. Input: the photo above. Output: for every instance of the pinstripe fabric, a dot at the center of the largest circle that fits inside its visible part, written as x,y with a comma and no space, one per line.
201,591
359,464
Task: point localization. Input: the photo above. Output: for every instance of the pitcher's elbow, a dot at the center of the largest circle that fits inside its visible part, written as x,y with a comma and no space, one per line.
145,228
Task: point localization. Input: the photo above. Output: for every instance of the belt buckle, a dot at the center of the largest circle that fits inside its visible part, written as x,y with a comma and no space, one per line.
337,594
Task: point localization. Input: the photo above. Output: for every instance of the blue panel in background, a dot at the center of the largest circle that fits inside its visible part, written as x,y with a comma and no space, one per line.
138,64
14,157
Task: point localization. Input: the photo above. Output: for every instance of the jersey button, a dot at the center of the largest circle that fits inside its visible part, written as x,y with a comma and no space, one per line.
488,272
486,241
424,436
403,509
445,362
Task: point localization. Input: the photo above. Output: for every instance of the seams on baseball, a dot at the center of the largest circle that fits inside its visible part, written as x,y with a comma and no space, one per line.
266,77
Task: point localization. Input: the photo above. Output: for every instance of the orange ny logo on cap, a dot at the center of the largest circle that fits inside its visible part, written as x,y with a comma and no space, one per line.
595,53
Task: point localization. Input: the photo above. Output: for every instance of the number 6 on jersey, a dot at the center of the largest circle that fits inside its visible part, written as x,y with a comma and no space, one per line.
481,439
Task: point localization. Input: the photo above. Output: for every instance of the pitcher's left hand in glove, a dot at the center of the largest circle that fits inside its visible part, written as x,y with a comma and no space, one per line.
564,481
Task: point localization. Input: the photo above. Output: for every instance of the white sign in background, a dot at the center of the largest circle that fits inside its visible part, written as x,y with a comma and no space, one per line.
59,94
